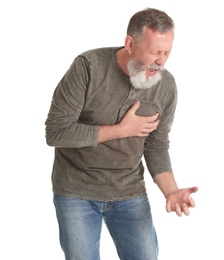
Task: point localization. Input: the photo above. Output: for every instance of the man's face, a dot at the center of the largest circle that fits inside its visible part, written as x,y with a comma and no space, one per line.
148,57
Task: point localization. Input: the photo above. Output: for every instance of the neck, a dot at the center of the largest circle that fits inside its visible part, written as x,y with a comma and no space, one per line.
122,59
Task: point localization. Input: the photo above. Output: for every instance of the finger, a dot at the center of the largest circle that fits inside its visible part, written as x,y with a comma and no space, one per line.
191,202
194,189
152,118
185,209
135,107
178,210
144,134
168,207
151,128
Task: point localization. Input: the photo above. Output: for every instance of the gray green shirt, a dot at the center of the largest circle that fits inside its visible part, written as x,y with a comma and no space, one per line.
95,91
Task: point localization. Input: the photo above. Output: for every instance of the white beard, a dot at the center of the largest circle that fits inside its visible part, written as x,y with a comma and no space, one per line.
138,78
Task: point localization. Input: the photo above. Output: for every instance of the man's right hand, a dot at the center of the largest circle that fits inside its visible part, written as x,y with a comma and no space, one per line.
130,125
133,125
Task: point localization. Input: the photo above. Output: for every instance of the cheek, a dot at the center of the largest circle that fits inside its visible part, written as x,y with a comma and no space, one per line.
147,59
144,60
143,57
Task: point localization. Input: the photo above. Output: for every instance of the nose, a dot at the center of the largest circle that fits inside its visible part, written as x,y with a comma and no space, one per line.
161,60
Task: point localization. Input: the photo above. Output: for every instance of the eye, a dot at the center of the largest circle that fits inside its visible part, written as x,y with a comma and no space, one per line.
153,52
160,52
167,53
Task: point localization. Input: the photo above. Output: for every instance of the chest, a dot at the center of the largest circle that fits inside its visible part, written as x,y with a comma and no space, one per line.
107,102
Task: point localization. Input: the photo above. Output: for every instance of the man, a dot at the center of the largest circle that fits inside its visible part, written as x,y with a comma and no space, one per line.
112,107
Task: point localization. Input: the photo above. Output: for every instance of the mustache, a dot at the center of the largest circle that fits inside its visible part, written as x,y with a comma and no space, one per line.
155,66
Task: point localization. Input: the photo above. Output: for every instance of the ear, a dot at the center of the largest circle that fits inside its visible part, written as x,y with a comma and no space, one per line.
129,44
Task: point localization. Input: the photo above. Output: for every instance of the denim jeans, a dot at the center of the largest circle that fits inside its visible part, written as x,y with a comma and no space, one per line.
128,221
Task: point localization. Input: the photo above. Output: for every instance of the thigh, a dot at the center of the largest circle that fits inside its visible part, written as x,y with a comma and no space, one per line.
80,228
131,226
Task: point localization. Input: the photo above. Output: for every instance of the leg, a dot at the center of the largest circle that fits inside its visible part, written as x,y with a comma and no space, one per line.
80,227
131,227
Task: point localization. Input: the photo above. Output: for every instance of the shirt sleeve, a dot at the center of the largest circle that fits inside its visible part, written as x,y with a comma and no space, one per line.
63,128
156,150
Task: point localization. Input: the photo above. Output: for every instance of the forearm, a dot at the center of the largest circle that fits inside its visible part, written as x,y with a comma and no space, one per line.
166,183
110,132
75,135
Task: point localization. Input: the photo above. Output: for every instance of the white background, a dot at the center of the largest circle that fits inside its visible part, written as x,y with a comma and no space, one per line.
39,40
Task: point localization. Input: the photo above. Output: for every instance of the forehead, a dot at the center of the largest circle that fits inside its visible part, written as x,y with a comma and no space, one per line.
158,40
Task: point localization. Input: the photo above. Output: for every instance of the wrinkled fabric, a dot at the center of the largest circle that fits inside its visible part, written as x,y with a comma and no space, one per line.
95,91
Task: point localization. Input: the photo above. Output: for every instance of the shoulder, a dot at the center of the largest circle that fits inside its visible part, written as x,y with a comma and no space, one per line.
167,82
167,78
167,87
99,53
91,57
95,58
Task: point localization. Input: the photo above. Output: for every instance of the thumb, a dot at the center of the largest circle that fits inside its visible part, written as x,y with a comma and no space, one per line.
194,189
135,107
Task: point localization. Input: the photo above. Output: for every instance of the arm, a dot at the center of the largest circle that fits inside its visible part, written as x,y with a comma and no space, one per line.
63,128
158,161
156,150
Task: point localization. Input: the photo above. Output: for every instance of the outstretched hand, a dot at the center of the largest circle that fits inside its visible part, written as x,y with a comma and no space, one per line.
180,201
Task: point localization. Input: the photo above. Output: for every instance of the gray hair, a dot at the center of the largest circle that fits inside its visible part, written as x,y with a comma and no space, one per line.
149,18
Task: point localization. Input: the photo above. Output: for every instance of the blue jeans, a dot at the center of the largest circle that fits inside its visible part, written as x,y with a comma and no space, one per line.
128,221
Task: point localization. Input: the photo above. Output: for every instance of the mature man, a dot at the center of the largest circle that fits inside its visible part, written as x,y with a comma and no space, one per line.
114,106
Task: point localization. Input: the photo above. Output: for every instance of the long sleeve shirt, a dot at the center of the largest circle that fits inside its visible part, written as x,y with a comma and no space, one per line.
93,92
